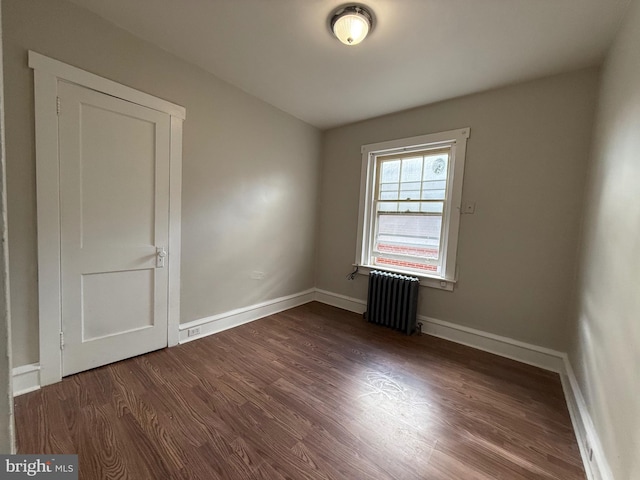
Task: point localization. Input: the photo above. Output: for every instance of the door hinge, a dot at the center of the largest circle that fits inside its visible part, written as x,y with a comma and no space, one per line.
61,341
58,105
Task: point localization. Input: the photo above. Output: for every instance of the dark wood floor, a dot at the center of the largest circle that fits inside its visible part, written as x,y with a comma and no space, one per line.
311,393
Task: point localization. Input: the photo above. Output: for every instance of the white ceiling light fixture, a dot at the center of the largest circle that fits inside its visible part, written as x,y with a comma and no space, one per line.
351,24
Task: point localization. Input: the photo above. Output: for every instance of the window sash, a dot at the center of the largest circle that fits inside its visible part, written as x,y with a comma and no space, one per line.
422,153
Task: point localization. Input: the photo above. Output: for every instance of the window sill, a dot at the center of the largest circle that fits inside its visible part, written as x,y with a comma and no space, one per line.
425,280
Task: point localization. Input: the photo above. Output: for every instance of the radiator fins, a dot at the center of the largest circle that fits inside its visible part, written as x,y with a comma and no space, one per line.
392,301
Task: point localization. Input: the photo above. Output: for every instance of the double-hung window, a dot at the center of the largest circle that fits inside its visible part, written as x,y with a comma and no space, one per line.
410,206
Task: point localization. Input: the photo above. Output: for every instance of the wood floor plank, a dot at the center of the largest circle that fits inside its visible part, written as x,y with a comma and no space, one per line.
310,393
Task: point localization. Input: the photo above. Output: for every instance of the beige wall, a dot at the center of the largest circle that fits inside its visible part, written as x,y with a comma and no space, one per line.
526,163
605,353
249,170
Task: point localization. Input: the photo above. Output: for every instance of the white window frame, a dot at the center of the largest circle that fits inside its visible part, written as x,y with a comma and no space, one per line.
457,141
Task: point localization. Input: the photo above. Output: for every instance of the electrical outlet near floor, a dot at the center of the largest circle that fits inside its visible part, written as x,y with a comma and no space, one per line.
192,332
589,450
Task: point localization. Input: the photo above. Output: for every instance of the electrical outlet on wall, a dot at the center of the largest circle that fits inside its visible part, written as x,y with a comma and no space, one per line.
469,208
192,332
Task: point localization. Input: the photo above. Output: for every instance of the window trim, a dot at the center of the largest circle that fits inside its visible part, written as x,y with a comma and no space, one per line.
457,139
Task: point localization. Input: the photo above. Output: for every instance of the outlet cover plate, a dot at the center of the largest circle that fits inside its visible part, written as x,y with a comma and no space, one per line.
469,208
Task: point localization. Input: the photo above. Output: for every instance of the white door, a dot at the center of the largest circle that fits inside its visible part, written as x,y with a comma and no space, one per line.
114,209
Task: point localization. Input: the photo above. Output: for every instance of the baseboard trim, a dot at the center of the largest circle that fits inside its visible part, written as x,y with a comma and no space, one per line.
597,468
505,347
240,316
26,378
530,354
341,301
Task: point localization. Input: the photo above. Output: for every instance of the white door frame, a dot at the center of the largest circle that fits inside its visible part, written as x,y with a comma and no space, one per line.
47,73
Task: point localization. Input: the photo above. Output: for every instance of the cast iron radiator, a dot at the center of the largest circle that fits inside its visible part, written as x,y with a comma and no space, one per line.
392,301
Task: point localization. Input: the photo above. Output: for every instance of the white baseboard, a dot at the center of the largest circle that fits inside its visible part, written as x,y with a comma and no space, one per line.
341,301
595,463
240,316
542,357
26,378
505,347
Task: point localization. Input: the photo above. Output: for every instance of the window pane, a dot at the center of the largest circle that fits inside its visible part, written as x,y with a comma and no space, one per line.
431,207
410,194
434,190
411,169
388,186
393,195
388,206
390,171
435,167
410,185
434,185
409,235
433,194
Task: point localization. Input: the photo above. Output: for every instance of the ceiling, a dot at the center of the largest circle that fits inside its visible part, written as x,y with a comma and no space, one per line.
420,51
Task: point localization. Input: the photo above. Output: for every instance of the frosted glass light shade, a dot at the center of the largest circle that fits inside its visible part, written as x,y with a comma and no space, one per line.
351,25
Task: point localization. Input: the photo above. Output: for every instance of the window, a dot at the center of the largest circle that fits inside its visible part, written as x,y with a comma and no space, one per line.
410,206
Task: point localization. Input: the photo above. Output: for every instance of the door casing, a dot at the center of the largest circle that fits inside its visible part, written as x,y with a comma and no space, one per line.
47,73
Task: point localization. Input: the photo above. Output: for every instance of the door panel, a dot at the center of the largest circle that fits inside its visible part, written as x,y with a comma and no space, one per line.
117,156
114,204
134,311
